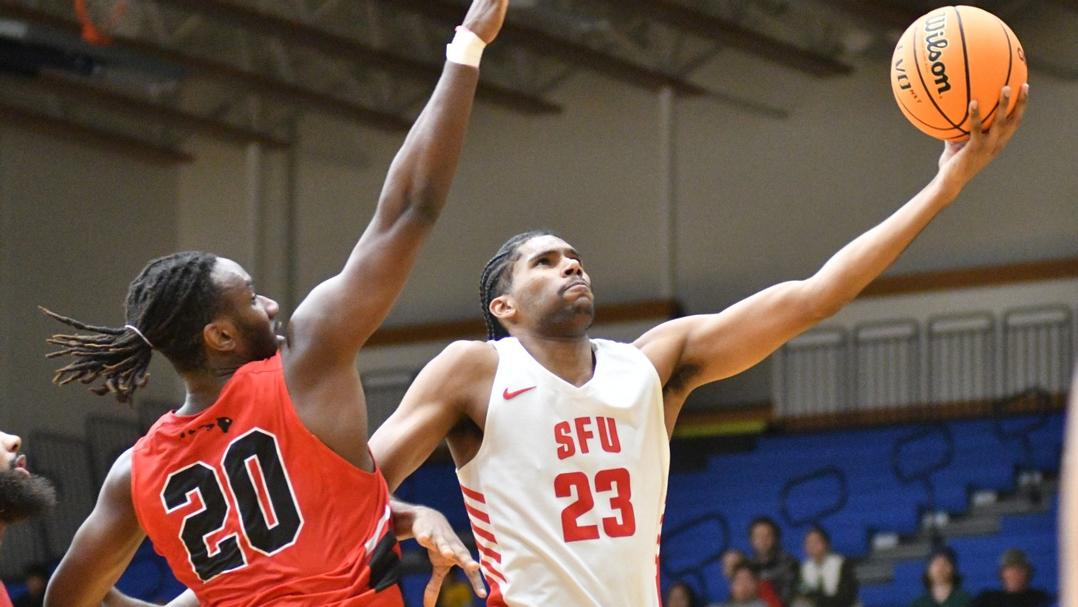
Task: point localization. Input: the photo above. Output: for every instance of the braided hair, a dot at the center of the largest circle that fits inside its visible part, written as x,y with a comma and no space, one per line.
167,305
497,277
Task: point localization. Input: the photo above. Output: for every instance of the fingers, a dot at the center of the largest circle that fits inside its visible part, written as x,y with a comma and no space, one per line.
1023,101
434,586
447,551
976,129
1015,117
472,571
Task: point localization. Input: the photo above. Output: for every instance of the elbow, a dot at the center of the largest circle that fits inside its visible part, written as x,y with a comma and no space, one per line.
826,308
818,303
424,201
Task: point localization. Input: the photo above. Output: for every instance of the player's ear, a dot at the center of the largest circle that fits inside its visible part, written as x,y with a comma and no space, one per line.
221,335
503,307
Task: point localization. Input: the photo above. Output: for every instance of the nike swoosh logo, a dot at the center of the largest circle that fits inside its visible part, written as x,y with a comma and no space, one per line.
507,395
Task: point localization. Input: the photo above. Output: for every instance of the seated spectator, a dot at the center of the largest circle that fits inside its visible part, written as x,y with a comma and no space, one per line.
1015,573
744,588
943,582
827,579
681,595
769,561
37,578
734,558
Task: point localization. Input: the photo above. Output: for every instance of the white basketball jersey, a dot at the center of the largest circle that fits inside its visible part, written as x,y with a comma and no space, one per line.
567,491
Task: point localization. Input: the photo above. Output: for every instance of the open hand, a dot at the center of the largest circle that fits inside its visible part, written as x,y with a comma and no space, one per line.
445,549
485,18
961,160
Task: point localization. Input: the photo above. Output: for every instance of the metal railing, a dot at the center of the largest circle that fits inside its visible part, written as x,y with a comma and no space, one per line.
971,357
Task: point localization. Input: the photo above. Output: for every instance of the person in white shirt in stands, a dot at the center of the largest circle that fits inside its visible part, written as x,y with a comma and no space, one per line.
827,579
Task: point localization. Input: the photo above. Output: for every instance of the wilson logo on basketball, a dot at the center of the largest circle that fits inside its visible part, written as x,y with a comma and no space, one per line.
935,42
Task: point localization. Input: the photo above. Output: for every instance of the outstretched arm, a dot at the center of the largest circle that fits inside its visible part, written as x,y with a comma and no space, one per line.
339,315
695,350
102,547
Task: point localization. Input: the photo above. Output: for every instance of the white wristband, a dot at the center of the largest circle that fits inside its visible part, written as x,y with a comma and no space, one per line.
466,48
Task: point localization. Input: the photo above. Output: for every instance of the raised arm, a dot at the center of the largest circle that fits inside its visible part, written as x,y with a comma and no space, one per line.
102,547
689,352
336,318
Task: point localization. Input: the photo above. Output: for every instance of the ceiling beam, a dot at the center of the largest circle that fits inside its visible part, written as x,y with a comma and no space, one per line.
163,115
86,135
572,53
1068,4
234,77
733,35
890,16
876,13
291,31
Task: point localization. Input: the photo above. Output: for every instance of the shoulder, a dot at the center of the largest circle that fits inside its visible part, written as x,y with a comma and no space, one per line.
471,349
461,363
121,468
116,490
470,356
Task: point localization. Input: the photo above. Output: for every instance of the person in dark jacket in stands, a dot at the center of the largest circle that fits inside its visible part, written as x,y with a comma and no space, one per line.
770,562
1016,573
827,579
943,582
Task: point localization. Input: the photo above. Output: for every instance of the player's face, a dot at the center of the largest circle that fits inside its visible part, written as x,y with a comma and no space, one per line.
22,495
9,457
252,314
550,290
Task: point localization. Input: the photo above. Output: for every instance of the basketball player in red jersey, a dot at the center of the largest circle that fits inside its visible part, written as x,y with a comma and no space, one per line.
562,442
22,495
260,489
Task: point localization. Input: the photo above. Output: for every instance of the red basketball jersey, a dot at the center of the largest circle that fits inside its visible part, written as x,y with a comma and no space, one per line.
251,509
5,600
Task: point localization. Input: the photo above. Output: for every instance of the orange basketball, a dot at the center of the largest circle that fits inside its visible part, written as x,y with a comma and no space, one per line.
949,57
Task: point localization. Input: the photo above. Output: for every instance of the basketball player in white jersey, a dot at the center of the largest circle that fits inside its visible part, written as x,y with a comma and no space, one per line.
562,442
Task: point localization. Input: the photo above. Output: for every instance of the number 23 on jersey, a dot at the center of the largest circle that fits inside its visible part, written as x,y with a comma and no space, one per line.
613,485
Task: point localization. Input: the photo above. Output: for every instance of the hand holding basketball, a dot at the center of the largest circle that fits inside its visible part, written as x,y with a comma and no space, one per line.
485,18
961,160
946,59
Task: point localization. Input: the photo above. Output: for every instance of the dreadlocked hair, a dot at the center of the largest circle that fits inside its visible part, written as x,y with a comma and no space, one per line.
497,278
169,303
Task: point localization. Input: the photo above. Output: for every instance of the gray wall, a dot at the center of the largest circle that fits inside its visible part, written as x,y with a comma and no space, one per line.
77,225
